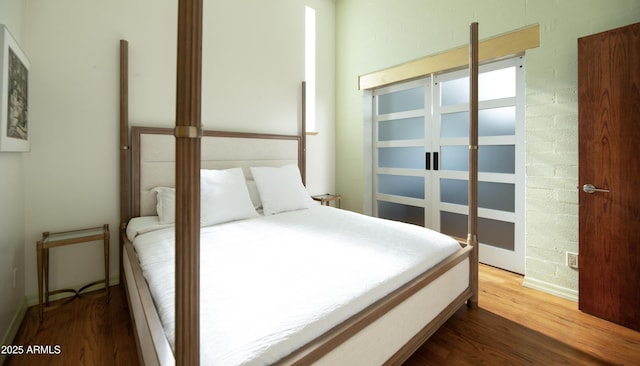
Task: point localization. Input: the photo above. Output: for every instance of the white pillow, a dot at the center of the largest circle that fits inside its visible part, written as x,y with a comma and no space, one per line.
165,204
224,197
281,189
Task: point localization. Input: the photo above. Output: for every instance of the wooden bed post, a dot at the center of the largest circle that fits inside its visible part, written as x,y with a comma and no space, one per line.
472,236
125,203
188,132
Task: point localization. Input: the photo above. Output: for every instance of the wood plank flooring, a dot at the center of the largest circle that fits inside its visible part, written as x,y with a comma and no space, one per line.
513,326
87,330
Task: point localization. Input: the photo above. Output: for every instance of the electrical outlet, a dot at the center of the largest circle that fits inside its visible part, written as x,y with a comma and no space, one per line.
572,260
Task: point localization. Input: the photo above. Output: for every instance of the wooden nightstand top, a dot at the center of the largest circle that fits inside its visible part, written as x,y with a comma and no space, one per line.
326,199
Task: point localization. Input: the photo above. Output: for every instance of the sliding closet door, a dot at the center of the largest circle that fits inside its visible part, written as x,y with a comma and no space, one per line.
401,144
420,157
500,160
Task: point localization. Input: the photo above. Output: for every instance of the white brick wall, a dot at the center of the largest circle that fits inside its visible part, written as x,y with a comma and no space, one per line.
552,169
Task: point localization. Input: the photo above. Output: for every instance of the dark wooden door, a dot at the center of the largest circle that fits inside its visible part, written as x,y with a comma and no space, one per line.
609,150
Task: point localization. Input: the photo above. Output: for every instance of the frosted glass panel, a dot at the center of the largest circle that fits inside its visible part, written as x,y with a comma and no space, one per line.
497,84
497,121
454,91
491,85
453,224
454,124
496,233
401,157
454,158
401,129
494,196
454,191
491,122
401,185
497,196
491,232
491,158
401,101
497,159
405,213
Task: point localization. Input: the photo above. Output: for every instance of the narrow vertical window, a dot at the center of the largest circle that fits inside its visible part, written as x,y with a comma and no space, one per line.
310,66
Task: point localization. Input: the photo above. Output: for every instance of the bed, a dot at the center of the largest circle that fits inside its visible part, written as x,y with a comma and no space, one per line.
430,289
379,320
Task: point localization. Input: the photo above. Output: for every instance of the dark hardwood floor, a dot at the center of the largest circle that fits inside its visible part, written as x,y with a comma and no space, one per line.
513,326
87,331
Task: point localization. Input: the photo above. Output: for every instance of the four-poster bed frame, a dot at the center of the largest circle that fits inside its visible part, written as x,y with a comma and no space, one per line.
152,344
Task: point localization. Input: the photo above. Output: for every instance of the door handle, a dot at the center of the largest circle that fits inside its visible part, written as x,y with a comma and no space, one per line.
590,188
436,161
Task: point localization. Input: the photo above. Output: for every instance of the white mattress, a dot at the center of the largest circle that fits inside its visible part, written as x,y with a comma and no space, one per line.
271,284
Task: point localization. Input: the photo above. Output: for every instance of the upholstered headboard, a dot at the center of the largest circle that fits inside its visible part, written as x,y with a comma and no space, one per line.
153,158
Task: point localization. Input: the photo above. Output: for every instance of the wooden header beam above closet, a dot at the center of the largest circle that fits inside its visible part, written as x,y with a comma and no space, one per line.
497,47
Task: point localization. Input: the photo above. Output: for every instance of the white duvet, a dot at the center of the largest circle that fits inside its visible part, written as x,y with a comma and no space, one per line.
271,284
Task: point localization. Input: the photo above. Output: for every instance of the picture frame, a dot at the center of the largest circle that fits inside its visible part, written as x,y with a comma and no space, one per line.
14,95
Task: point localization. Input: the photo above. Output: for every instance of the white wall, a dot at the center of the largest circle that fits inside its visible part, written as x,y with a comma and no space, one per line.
376,34
253,66
11,206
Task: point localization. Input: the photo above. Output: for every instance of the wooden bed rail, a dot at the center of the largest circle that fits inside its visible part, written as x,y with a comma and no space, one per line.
334,337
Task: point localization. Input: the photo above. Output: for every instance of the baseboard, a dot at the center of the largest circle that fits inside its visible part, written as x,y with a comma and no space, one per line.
550,288
16,322
32,300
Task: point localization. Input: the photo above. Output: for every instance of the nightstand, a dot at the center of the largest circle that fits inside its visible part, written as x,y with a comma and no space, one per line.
326,199
53,240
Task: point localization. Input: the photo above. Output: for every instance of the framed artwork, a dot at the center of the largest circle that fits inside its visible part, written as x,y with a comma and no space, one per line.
14,94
